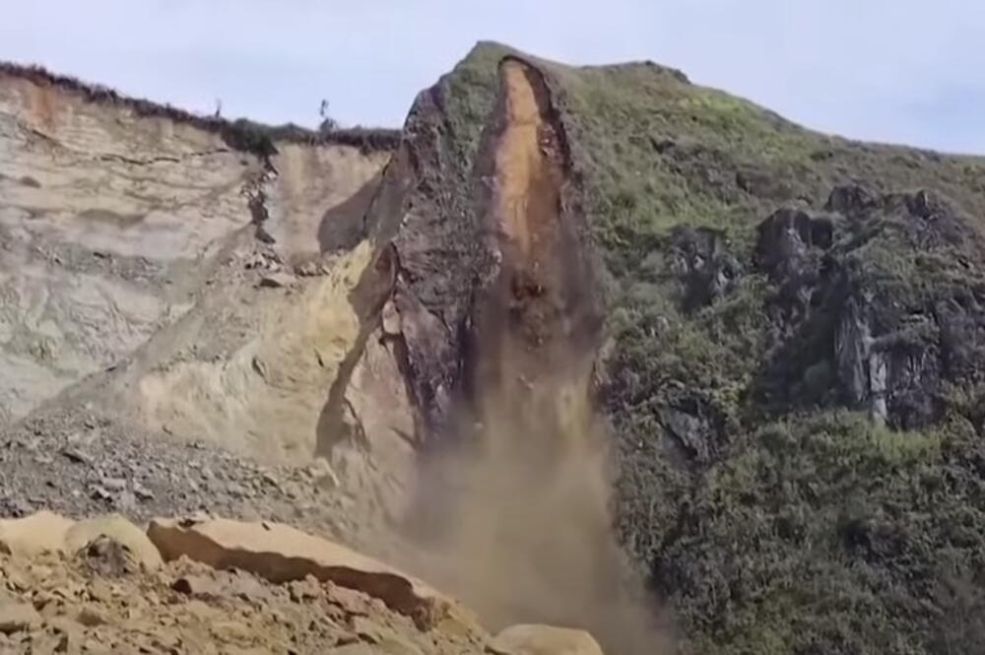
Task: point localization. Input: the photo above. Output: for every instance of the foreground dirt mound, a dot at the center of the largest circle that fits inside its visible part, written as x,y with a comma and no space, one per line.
100,586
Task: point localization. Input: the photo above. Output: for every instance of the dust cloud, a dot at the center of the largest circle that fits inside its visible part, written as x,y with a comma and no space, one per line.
516,518
525,533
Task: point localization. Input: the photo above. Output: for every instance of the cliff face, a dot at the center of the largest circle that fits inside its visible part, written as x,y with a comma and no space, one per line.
108,220
791,342
779,331
134,240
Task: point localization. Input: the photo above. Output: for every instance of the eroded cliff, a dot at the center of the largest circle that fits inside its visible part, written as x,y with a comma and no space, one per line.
151,244
568,292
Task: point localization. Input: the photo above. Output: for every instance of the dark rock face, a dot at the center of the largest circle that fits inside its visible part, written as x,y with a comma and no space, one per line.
694,432
787,237
435,236
857,295
702,261
434,211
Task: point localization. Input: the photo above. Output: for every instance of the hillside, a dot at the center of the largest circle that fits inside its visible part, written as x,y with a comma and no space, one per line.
792,347
770,341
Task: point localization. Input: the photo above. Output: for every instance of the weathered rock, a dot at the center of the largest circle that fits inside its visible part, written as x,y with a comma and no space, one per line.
17,617
107,558
111,543
40,532
876,304
278,280
117,529
704,264
693,429
91,617
544,640
281,554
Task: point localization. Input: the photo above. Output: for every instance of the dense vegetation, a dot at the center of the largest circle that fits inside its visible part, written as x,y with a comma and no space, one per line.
798,367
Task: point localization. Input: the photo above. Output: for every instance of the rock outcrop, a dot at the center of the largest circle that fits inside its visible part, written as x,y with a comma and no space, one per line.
63,590
858,299
46,532
281,554
544,640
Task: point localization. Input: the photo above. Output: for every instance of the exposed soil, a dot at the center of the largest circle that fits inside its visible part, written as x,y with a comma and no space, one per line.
58,604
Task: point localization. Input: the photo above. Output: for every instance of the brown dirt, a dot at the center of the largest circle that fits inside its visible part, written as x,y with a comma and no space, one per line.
186,607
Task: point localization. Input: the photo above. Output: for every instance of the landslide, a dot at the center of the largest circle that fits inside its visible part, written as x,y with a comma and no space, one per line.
776,333
789,364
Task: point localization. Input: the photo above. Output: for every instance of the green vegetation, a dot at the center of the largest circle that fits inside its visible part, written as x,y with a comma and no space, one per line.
769,516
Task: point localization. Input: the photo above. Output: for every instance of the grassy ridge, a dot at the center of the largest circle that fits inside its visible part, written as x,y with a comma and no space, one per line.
772,519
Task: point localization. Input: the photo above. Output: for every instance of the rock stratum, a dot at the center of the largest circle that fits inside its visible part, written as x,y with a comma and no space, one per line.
592,347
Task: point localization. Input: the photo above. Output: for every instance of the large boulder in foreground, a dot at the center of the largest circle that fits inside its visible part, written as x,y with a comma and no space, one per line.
280,553
544,640
48,532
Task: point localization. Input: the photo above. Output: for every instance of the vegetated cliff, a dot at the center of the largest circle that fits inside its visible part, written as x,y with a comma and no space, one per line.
784,328
794,356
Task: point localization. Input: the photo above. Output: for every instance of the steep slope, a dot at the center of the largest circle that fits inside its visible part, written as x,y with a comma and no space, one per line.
792,357
135,237
166,300
776,333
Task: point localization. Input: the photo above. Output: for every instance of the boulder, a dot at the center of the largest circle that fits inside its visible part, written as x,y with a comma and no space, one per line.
115,528
35,534
16,617
278,280
48,532
281,554
544,640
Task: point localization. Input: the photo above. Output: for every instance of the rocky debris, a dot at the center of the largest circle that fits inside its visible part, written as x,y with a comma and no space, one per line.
263,260
280,554
107,557
278,280
231,587
314,267
544,640
164,477
116,530
17,617
51,604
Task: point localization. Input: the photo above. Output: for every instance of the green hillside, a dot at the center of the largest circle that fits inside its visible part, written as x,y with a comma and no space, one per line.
796,362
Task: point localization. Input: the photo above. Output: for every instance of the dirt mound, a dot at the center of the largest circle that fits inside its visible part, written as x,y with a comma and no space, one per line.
99,586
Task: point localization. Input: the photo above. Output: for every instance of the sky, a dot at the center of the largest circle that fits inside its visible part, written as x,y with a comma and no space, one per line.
907,71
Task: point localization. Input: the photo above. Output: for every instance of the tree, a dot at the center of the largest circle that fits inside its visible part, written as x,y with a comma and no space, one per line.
328,124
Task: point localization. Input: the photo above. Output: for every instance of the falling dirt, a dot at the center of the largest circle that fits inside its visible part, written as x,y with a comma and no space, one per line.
528,536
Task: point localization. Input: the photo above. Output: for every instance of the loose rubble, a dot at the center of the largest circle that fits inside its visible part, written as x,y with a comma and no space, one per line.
222,586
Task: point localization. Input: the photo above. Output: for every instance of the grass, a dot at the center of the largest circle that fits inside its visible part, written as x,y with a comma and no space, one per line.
791,525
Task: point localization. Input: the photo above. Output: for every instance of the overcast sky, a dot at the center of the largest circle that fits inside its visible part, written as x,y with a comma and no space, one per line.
909,71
